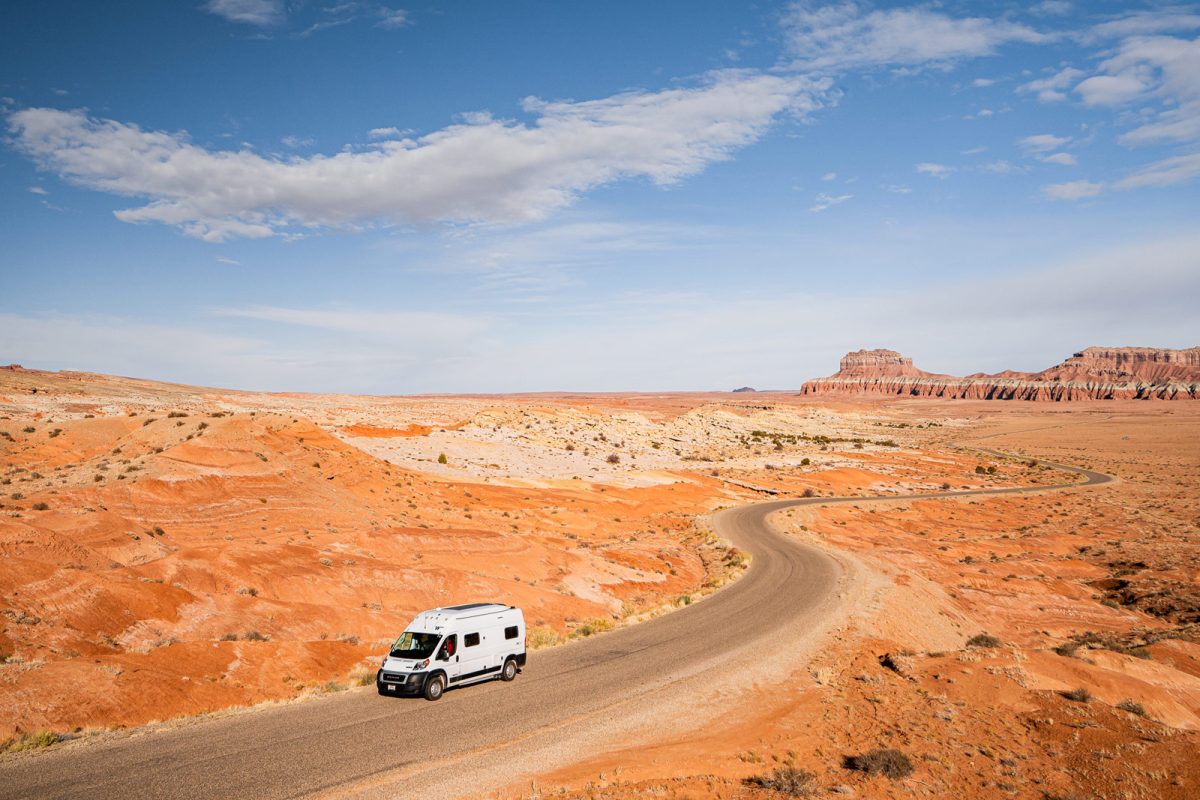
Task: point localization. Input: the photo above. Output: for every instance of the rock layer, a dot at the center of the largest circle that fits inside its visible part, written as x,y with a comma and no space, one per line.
1095,373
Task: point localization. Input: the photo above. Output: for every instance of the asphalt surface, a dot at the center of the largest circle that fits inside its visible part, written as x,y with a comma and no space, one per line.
332,745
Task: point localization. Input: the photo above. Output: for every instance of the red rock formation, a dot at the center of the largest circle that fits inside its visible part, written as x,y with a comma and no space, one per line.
1095,373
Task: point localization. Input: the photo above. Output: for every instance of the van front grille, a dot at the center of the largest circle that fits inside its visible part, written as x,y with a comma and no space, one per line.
392,677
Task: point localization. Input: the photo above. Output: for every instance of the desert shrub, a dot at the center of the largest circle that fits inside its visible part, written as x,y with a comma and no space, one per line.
983,640
1132,707
570,447
176,415
945,486
55,432
809,493
1079,695
255,636
979,470
804,462
594,626
148,421
33,741
786,780
881,761
991,470
541,637
229,637
28,429
442,458
613,458
1068,650
41,506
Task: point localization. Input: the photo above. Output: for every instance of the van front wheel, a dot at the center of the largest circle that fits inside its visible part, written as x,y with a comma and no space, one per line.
434,687
510,670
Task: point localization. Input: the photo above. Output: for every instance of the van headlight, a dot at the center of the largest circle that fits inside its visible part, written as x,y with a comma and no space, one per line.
422,665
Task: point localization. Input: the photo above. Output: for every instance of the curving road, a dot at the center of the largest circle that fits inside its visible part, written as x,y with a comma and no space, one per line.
361,744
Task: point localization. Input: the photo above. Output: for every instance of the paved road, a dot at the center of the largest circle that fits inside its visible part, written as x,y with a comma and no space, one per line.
353,740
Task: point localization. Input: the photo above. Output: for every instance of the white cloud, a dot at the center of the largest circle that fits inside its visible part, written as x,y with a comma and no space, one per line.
983,82
936,170
1001,167
231,261
1147,68
824,201
297,142
1042,142
1144,23
1065,159
383,133
38,190
1054,88
829,176
482,170
897,188
392,18
263,13
1074,190
1167,172
1111,90
1051,8
846,36
973,151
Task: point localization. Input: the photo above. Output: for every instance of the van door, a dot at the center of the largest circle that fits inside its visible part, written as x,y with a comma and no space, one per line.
449,659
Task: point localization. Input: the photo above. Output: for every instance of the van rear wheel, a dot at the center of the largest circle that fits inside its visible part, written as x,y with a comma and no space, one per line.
510,670
434,687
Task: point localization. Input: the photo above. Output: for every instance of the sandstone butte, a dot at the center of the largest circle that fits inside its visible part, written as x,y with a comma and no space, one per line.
1095,373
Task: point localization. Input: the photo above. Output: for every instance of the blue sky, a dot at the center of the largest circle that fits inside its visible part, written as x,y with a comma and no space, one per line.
404,197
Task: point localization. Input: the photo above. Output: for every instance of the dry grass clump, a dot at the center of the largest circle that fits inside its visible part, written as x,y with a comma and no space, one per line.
984,640
1079,695
1132,707
786,780
881,761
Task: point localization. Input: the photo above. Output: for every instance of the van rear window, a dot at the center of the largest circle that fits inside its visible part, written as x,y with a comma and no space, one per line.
510,632
470,639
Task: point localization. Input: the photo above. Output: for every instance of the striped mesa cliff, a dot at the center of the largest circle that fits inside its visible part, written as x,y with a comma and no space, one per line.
1095,373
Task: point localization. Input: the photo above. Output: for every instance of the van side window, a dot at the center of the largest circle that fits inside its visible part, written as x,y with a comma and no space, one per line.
470,639
510,632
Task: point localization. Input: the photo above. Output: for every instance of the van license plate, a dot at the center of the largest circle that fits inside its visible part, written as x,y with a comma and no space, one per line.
391,687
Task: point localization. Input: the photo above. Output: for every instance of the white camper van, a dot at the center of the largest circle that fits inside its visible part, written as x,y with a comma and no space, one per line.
454,646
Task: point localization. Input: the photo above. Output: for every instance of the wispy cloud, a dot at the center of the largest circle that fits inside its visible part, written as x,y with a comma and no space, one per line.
392,18
1167,172
824,201
1073,190
38,190
934,169
261,13
484,169
1042,142
1052,89
848,35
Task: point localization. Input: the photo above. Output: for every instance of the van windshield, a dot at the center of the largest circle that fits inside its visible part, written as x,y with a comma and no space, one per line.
415,645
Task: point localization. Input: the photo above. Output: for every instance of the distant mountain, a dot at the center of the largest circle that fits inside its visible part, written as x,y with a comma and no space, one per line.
1095,373
746,389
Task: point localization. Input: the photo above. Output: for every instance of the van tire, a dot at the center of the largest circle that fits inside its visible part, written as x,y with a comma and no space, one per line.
509,671
435,686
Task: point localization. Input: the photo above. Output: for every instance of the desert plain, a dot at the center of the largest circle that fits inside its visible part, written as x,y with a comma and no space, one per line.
171,552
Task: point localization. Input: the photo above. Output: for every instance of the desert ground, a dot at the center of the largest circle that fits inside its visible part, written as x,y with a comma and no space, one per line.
172,551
